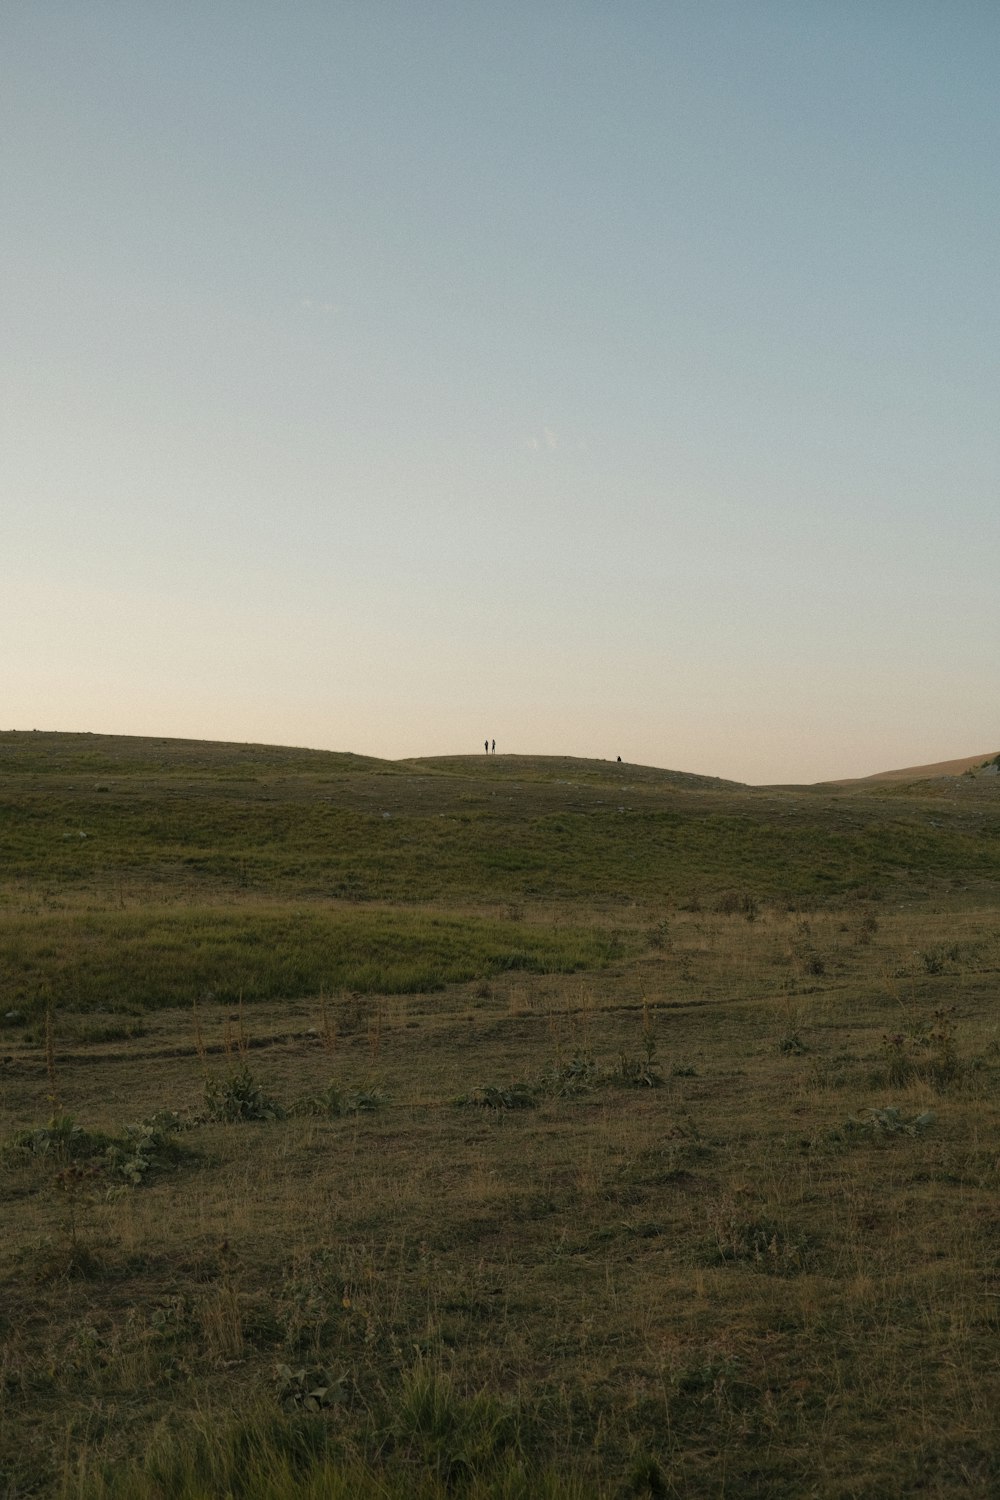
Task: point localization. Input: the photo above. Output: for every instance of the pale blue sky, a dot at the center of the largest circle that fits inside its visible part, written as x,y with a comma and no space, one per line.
608,379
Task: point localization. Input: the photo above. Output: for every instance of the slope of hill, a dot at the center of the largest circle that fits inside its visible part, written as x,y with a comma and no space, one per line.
920,773
155,820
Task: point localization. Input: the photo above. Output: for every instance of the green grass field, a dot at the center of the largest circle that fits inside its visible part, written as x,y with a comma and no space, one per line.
493,1128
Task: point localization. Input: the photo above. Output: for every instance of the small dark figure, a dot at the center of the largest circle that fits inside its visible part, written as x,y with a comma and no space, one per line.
487,744
619,760
494,747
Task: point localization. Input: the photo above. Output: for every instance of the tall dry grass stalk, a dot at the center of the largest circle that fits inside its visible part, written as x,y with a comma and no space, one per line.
55,1103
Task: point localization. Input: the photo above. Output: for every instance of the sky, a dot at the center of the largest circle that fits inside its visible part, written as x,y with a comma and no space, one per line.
387,375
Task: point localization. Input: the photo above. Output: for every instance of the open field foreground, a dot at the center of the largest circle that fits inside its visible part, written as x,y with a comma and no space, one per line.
493,1128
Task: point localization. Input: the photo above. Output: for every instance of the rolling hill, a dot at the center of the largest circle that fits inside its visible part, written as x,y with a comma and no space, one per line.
922,773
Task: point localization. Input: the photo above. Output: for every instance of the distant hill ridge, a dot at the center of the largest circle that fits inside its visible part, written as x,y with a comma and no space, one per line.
571,768
148,822
42,751
922,773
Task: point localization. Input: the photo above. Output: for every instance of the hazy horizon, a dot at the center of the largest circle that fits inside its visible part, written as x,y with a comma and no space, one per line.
604,381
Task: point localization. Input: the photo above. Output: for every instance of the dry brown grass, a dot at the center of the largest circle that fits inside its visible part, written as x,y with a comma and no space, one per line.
723,1278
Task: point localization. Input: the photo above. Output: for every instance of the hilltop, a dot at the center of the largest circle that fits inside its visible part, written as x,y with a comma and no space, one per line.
45,752
202,820
570,770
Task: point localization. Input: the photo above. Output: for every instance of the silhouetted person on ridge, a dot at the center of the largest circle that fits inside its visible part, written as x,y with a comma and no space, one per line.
494,747
487,744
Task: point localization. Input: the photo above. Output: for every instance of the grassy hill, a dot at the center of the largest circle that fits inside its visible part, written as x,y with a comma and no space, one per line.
142,871
155,819
940,768
492,1128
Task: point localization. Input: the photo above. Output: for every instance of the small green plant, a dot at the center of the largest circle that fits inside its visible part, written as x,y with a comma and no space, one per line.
928,1051
761,1243
867,928
364,1101
890,1121
62,1138
239,1097
898,1063
705,1381
568,1080
636,1073
332,1102
943,1065
658,936
738,904
142,1149
128,1157
489,1096
73,1182
792,1045
309,1389
73,1161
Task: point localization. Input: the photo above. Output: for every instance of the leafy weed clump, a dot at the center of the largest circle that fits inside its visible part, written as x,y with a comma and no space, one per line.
928,1052
640,1072
569,1080
144,1148
890,1121
759,1243
490,1096
332,1102
583,1073
129,1157
936,960
61,1141
637,1072
308,1389
879,1125
659,936
673,1158
239,1098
